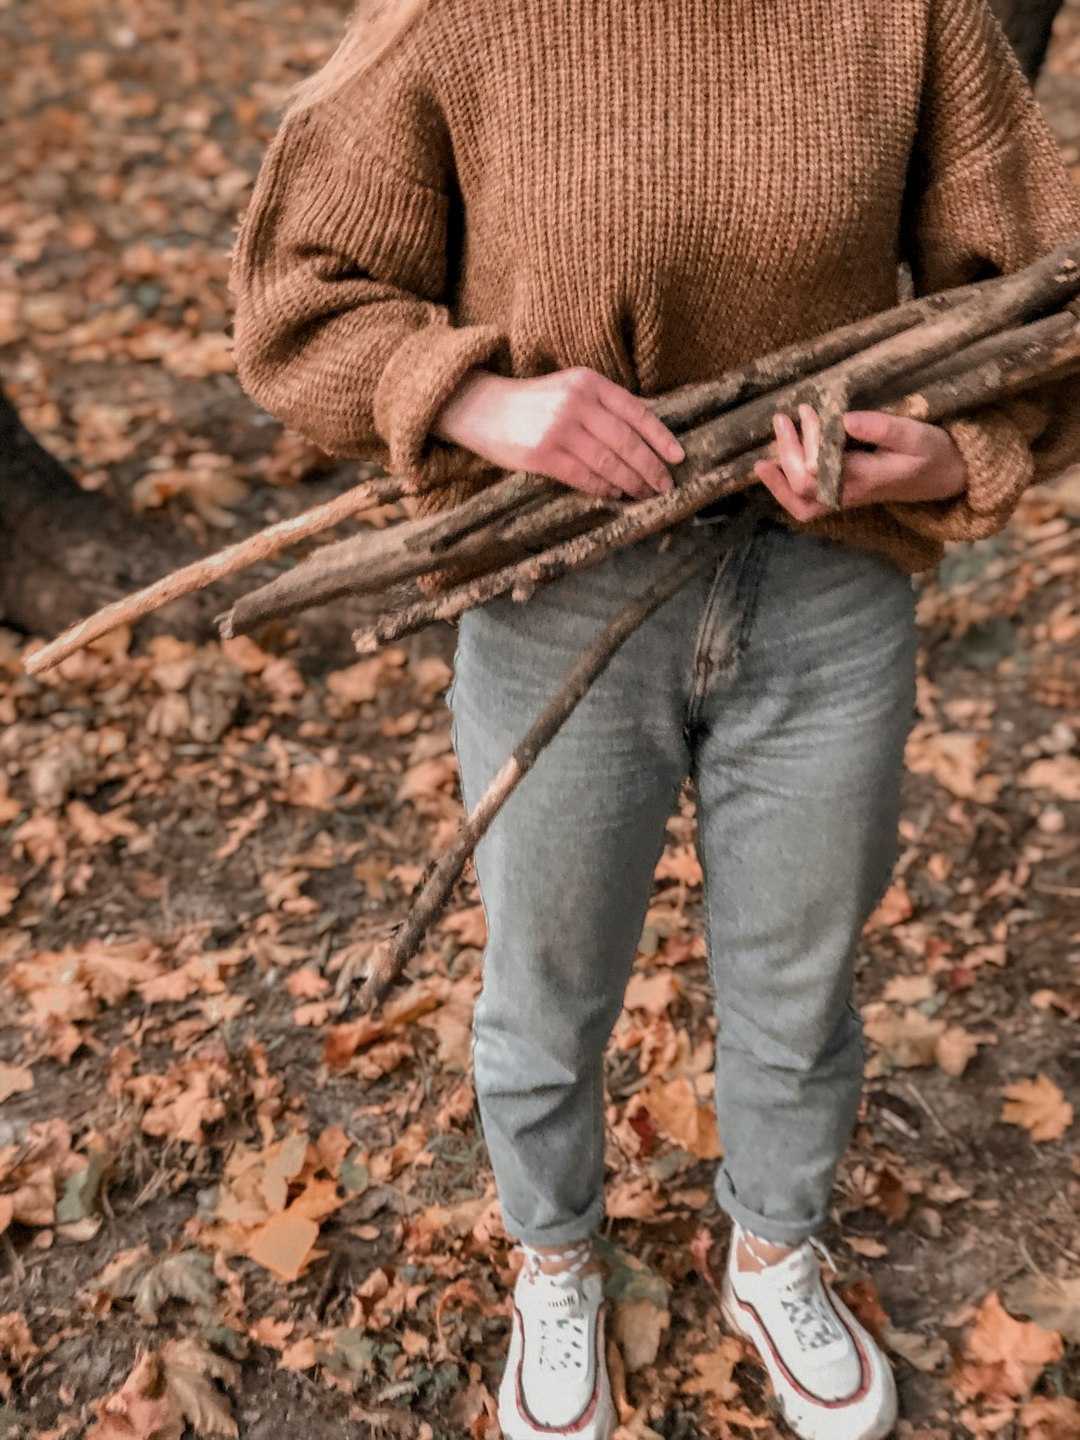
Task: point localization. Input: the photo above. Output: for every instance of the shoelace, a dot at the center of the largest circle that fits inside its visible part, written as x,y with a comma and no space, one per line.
562,1339
812,1321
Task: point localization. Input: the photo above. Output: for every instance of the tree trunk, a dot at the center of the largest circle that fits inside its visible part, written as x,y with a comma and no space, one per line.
68,551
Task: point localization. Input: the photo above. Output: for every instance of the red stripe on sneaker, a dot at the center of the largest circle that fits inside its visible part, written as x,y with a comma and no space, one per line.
586,1416
865,1375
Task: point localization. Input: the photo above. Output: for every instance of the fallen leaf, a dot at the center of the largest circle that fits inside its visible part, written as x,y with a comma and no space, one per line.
954,758
1046,1417
906,1038
680,1115
1039,1106
14,1080
1059,775
1004,1356
284,1245
955,1047
1052,1303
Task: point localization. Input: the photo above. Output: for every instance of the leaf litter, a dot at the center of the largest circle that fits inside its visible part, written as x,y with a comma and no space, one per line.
222,1199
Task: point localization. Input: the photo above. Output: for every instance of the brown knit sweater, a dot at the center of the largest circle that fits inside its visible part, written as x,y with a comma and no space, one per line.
658,189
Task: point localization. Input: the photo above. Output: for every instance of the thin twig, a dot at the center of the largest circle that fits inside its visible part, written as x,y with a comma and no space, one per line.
436,889
199,574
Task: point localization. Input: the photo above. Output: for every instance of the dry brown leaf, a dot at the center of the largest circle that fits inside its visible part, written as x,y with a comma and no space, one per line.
893,909
909,989
715,1371
14,1080
680,1115
1059,775
680,862
956,1046
864,1245
469,925
954,758
906,1038
653,992
638,1327
168,1390
927,1353
300,1355
1052,1303
274,1334
362,681
1046,1417
1004,1356
284,1245
191,1368
1039,1106
17,1347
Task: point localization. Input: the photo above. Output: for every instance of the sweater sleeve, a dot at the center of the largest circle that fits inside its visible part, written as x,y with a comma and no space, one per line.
342,326
988,194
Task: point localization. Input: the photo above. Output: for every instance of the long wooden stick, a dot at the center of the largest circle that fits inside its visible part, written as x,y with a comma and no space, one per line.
1046,285
1054,355
981,385
368,564
698,400
199,574
535,516
433,894
902,338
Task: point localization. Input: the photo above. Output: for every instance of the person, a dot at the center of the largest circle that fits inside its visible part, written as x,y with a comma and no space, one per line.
481,237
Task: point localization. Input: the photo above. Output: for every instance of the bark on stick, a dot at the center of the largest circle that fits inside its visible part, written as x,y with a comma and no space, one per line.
201,573
433,894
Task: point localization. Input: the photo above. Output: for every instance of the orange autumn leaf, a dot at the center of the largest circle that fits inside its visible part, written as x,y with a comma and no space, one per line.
305,984
893,909
680,863
274,1334
14,1080
17,1345
956,1046
1046,1417
654,993
284,1245
1039,1106
715,1369
904,1039
954,758
361,682
1004,1356
469,925
343,1041
680,1115
313,787
300,1355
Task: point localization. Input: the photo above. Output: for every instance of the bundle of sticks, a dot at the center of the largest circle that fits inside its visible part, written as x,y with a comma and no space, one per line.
931,359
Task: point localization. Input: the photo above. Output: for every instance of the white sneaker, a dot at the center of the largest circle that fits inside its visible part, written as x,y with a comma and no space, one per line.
832,1382
556,1379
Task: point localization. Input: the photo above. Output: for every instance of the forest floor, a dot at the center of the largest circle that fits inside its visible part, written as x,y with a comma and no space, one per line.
227,1205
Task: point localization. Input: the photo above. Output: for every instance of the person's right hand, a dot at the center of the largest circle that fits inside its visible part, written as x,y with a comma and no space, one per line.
574,425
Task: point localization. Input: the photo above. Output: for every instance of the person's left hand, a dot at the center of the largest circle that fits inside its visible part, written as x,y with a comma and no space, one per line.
912,461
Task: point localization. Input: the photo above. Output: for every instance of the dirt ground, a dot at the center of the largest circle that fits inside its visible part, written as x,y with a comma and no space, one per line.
201,843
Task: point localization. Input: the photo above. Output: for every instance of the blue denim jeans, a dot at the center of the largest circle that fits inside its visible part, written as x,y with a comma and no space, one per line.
781,678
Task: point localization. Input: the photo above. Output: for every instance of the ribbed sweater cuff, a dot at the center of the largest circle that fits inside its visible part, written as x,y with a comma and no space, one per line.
996,451
420,376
